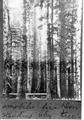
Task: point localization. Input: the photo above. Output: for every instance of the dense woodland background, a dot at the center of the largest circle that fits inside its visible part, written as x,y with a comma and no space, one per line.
42,48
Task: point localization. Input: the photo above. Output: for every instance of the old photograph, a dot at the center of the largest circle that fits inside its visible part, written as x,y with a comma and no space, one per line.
42,59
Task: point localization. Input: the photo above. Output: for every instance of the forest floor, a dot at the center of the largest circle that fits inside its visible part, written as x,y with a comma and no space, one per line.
40,109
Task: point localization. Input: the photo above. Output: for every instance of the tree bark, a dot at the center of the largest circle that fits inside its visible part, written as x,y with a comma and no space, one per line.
62,52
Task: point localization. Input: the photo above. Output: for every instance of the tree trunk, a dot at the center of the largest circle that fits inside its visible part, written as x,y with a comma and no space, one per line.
62,52
48,49
35,62
72,62
69,83
81,51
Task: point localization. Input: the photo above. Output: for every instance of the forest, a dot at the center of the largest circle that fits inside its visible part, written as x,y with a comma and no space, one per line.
42,49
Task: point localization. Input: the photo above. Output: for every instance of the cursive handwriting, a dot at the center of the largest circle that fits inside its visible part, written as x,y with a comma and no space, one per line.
43,110
20,106
68,105
44,114
48,106
20,115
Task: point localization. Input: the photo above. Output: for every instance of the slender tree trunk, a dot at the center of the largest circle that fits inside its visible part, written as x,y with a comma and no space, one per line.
72,71
72,64
48,49
62,52
22,71
75,75
1,47
69,79
52,79
34,79
81,51
10,33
